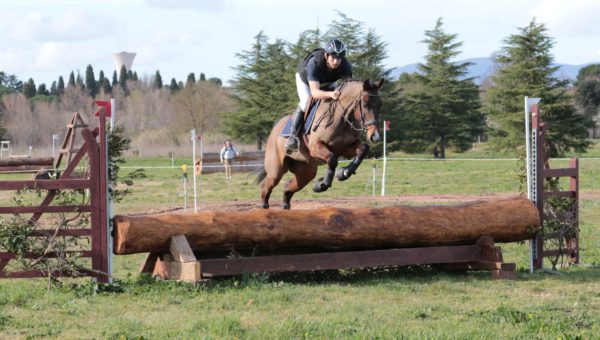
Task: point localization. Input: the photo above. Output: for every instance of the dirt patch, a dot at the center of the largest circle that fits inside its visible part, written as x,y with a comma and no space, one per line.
349,202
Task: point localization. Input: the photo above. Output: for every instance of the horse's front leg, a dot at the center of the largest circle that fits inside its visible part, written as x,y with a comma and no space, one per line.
345,172
322,152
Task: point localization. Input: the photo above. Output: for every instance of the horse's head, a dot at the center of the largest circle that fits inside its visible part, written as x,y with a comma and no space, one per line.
370,104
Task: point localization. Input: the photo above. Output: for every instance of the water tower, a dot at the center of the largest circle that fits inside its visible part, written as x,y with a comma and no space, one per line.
123,58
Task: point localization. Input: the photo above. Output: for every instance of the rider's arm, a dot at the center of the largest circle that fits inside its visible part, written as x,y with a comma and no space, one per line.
317,93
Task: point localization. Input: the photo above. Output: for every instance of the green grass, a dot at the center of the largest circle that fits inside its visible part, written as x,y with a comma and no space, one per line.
411,302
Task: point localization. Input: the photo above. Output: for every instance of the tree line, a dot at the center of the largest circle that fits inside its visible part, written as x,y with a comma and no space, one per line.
430,111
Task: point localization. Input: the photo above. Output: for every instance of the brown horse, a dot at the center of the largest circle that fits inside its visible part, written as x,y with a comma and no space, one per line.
335,132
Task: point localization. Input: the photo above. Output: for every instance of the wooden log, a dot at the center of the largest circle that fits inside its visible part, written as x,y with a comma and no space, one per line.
506,220
49,161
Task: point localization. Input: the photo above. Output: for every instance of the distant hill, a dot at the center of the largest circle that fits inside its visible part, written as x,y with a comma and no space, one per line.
484,67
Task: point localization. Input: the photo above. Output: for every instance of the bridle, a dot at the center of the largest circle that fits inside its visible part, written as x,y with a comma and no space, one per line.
351,108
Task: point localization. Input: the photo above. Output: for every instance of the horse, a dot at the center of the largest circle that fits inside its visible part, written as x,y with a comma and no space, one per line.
336,132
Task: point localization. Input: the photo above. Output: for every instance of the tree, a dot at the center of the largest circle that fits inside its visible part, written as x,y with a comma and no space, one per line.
587,90
263,89
29,90
42,91
60,88
90,82
114,79
123,76
444,110
79,81
9,84
191,79
71,80
202,77
173,87
525,69
53,90
216,81
157,83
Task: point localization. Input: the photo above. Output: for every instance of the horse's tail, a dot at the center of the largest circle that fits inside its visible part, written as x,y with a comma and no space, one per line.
262,173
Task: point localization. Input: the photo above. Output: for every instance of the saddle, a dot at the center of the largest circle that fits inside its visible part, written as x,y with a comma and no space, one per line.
309,117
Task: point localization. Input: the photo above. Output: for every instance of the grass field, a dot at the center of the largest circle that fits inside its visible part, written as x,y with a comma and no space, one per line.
413,302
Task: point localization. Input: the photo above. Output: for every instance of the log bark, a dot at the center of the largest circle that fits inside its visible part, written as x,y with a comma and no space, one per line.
506,220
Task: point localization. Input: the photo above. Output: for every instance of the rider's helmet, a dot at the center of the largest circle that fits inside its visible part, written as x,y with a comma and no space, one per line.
335,48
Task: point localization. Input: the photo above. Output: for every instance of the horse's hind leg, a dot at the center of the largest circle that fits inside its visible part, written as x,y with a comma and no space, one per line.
271,180
303,174
345,172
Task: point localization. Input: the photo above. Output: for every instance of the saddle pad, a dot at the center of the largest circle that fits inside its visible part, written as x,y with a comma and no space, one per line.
287,129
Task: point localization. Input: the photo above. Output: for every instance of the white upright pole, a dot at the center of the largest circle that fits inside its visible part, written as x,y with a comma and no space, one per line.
384,159
528,147
194,167
109,202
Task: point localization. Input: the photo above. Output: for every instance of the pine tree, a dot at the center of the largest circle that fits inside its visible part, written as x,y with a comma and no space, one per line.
29,89
60,88
90,82
445,110
71,80
525,69
157,84
9,83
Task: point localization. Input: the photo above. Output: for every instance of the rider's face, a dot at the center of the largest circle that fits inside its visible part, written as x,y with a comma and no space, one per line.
332,62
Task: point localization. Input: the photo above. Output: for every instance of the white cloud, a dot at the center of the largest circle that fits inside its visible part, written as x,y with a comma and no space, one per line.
72,25
201,5
569,18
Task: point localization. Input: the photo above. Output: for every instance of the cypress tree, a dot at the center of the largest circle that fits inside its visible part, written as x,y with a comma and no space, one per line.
71,79
202,77
53,90
90,82
173,86
157,84
42,91
123,76
60,88
191,79
114,79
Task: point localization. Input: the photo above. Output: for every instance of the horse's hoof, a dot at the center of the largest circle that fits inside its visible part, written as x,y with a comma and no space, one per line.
286,206
343,174
265,206
320,187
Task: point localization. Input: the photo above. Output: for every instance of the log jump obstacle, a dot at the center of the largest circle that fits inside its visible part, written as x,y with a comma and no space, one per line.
94,147
195,247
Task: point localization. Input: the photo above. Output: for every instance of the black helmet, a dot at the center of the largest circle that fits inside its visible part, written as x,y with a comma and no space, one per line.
336,48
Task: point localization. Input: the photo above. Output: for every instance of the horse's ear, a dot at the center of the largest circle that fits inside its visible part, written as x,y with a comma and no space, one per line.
379,83
367,85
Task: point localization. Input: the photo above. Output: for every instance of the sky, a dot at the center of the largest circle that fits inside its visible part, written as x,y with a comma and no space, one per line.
44,39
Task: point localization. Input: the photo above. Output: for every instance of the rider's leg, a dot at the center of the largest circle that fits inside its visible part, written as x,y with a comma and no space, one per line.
297,119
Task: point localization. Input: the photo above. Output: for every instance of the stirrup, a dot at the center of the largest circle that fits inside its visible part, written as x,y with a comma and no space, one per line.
292,144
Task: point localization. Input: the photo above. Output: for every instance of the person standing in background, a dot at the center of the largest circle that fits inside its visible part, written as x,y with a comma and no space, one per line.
228,153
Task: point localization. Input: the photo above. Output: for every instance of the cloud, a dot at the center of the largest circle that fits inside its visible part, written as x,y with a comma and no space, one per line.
206,6
570,18
72,25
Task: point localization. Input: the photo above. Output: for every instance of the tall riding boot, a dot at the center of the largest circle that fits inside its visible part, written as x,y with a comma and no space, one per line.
293,142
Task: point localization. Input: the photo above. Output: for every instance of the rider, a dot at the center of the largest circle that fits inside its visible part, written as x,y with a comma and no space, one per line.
316,76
